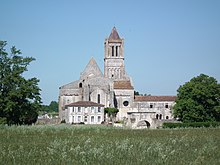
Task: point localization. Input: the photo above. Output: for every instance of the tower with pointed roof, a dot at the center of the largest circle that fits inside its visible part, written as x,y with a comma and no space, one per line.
114,67
82,100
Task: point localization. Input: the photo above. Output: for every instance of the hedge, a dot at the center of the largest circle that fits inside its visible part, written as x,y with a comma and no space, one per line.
192,124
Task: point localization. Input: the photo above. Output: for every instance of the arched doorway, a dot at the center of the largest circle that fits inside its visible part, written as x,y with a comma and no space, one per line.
143,123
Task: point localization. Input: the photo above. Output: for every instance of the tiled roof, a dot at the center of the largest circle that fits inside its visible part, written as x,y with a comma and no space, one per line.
114,35
85,104
155,98
123,85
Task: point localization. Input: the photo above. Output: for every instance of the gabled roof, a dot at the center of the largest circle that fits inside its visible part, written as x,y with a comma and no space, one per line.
155,98
92,69
114,35
85,104
123,85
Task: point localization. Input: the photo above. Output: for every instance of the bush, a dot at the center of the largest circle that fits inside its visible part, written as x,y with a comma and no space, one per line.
192,124
3,120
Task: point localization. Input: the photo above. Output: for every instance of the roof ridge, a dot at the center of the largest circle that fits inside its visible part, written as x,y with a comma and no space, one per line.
85,104
91,68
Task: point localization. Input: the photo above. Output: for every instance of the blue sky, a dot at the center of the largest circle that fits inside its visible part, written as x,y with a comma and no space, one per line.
166,42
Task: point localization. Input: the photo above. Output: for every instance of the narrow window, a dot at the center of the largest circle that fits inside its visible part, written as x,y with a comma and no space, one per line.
92,119
79,119
80,85
99,109
79,109
167,117
98,98
160,116
112,51
116,49
157,116
85,119
99,118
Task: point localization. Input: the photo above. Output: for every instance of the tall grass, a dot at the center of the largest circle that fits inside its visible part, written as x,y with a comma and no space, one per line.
106,145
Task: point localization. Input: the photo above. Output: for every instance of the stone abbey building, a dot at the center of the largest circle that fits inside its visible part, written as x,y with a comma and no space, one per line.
114,88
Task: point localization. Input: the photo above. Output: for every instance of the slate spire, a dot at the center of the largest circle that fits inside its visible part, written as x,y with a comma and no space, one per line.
114,34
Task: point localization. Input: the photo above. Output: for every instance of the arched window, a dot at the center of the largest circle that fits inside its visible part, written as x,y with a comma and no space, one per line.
160,116
157,116
167,117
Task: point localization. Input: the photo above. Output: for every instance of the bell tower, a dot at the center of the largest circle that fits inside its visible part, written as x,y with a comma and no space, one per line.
114,57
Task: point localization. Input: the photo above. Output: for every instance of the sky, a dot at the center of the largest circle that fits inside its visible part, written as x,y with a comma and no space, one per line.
167,42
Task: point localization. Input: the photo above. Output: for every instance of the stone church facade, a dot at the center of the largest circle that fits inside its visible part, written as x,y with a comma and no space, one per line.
114,88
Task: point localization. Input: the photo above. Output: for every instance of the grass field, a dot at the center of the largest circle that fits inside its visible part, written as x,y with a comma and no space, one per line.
106,145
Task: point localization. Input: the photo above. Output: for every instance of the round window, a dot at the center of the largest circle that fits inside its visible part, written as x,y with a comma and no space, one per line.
125,103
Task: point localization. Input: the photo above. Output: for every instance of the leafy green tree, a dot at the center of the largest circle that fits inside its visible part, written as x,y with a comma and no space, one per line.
19,97
111,112
52,107
198,100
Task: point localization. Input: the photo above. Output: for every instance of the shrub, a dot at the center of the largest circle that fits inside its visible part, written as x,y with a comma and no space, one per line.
3,120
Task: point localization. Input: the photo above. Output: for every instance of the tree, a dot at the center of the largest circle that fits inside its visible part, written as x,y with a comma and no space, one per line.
136,93
198,100
52,107
111,112
19,97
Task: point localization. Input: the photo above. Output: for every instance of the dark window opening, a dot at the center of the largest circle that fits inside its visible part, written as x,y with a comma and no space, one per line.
160,116
85,119
151,105
99,109
98,98
112,51
112,75
157,116
80,85
116,50
166,106
125,103
167,117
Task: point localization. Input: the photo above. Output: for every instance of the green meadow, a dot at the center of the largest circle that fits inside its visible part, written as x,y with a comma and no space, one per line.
81,145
